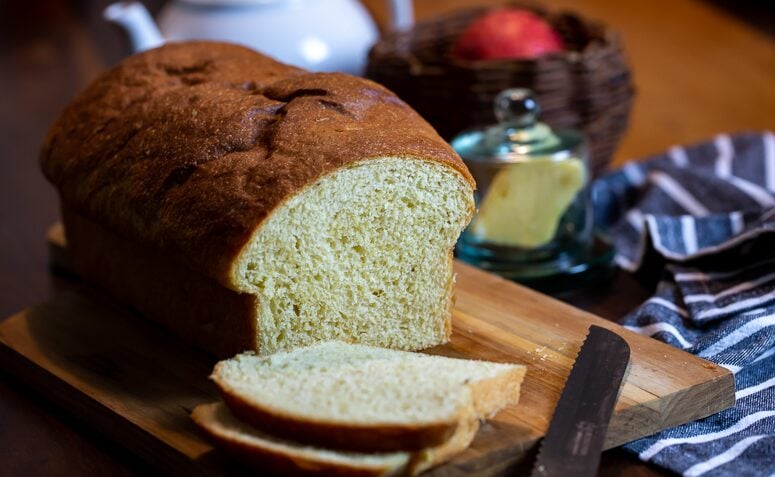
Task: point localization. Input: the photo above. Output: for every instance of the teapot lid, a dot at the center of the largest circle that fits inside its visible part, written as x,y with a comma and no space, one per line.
518,136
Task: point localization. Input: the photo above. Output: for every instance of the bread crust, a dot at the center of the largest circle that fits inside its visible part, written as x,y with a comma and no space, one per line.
376,437
491,395
188,148
196,308
264,459
460,440
272,462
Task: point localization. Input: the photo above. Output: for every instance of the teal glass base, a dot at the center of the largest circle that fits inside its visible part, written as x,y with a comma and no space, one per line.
563,272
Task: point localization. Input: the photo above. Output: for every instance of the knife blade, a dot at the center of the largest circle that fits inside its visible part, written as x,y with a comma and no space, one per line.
574,441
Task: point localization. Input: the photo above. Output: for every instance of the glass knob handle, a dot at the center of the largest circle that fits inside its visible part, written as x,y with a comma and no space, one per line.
517,106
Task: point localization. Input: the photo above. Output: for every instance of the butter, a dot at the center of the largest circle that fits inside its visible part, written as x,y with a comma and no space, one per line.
527,200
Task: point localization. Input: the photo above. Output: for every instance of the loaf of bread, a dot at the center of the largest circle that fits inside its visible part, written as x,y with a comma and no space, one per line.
361,398
249,205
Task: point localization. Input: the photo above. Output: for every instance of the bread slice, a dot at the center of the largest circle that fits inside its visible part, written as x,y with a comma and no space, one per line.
361,398
275,456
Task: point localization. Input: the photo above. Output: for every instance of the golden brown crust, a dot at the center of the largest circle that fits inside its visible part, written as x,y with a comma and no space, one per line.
195,307
340,436
290,463
464,435
273,462
187,148
492,395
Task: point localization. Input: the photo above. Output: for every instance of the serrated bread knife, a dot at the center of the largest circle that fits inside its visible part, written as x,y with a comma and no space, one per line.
574,441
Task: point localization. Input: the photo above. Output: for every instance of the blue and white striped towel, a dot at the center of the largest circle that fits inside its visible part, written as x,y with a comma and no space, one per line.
701,220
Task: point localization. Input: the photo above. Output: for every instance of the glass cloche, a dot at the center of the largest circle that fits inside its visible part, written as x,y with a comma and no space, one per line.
534,214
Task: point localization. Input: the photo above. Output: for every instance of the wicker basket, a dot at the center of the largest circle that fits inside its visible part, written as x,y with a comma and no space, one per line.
587,87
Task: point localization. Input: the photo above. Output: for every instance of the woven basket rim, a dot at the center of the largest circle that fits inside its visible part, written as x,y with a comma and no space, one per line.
587,86
607,40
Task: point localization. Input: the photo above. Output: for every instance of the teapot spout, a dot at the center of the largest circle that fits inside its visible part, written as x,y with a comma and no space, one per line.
135,19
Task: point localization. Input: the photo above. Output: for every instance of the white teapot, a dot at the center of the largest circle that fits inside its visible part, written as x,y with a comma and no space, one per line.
319,35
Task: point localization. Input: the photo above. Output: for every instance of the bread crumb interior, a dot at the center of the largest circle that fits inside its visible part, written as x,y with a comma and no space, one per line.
357,385
364,255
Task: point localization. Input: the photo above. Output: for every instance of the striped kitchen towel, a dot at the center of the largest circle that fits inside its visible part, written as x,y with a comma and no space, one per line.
701,220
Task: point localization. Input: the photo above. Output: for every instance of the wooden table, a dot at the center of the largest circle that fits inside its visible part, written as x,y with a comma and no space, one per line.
698,72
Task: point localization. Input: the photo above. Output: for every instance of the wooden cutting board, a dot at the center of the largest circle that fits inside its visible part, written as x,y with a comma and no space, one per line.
137,384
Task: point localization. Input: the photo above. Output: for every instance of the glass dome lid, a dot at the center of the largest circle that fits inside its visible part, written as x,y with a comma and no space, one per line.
518,136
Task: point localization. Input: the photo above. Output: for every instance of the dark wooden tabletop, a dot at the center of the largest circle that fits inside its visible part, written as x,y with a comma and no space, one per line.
698,72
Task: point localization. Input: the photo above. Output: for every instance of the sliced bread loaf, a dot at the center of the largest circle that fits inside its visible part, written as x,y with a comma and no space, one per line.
249,205
275,456
361,398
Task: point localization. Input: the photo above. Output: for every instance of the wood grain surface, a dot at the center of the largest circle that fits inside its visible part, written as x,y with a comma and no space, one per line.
137,384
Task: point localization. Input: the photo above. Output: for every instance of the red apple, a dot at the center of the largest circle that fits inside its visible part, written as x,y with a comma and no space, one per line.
507,33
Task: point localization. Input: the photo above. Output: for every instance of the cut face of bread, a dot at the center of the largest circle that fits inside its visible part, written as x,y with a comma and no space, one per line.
277,456
364,398
363,255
